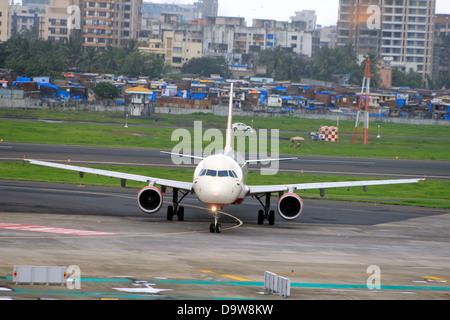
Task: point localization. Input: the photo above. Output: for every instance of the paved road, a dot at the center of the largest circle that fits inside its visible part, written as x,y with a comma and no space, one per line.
82,155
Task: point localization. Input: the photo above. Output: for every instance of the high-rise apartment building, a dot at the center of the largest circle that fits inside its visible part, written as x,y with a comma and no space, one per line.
5,26
441,58
54,25
400,30
110,22
353,26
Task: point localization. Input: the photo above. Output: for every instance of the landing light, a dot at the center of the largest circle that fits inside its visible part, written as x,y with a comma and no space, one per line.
214,209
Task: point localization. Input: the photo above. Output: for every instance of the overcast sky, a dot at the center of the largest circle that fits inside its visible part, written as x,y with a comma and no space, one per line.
282,10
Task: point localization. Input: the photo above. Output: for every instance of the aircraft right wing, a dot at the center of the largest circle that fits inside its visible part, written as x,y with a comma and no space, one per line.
186,186
325,185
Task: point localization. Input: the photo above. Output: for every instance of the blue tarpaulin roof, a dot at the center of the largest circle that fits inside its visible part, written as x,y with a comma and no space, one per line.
23,79
47,85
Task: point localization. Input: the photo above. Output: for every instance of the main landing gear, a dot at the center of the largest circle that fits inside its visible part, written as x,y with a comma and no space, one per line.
215,227
175,209
265,214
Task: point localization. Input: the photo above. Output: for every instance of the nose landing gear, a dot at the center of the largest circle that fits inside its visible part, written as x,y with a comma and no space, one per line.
215,227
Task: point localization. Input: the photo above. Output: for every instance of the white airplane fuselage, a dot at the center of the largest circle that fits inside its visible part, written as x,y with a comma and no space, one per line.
219,181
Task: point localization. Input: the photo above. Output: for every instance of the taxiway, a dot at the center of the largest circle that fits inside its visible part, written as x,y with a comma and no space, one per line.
325,254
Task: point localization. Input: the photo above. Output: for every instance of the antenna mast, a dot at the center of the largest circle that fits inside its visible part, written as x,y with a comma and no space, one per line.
362,117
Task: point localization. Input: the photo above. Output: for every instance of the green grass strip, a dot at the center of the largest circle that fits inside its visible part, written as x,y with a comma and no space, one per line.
430,193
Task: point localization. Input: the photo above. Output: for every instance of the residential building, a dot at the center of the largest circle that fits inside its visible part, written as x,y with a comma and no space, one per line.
37,5
152,12
208,8
355,26
110,22
441,55
24,18
185,12
307,16
398,29
130,20
100,23
54,26
328,36
5,26
407,34
227,35
175,47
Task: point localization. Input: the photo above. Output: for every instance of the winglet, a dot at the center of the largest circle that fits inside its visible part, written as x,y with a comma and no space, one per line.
229,135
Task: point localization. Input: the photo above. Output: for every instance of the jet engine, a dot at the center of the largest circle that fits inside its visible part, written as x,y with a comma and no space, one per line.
150,200
290,206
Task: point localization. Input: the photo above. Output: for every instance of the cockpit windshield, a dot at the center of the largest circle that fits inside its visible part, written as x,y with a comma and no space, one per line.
218,173
211,173
223,173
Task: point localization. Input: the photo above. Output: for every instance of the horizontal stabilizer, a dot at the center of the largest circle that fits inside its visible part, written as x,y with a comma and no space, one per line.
268,160
182,155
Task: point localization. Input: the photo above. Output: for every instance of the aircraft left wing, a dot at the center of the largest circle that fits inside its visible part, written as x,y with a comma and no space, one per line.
186,186
325,185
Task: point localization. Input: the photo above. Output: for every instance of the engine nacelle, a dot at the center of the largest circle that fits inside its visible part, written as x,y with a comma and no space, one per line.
150,200
290,206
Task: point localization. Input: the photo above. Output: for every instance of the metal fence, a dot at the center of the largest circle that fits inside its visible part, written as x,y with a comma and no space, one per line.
275,284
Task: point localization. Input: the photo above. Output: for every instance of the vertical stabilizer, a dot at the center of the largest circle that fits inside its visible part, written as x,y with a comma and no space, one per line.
229,134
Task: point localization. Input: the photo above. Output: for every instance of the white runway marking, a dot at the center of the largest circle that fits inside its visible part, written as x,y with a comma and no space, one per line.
27,227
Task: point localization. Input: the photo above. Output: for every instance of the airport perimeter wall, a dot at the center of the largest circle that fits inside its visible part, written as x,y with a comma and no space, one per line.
28,103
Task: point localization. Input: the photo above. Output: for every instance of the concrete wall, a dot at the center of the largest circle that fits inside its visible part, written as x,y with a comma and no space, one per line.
216,110
223,111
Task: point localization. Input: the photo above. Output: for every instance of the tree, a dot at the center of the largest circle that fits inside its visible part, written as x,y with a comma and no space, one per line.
142,64
439,83
73,52
375,80
90,61
321,64
411,79
339,60
110,59
278,63
106,90
33,57
206,66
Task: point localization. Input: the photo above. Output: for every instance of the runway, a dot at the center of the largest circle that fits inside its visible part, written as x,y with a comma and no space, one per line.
325,254
85,155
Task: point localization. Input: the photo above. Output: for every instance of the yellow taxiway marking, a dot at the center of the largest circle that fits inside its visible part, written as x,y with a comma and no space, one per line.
226,276
436,279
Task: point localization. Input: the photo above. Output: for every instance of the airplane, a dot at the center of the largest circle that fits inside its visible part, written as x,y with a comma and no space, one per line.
220,181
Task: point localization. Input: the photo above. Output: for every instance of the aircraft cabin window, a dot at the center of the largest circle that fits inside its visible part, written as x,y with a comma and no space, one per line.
211,173
223,173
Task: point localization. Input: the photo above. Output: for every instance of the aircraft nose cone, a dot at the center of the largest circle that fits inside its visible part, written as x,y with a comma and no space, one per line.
216,193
